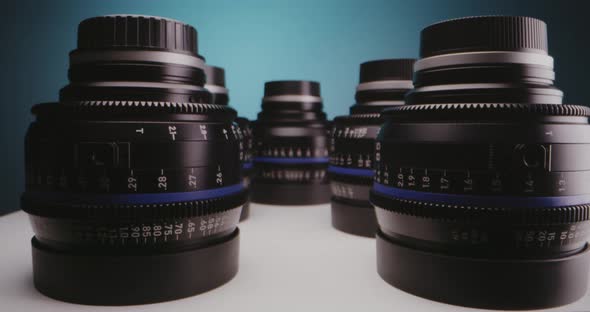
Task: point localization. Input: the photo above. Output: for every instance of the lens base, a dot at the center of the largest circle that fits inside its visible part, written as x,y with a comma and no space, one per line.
484,283
290,194
133,279
355,220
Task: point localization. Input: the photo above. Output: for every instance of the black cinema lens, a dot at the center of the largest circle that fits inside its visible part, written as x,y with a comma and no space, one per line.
291,146
133,183
382,84
482,181
215,84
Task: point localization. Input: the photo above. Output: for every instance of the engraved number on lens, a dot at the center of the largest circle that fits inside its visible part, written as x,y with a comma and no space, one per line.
172,132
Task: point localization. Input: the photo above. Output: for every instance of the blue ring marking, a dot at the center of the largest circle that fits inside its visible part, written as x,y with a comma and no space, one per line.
132,199
247,165
288,160
484,200
351,171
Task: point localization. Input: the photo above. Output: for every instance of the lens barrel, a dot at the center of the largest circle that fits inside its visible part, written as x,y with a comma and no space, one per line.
382,84
133,181
245,129
215,84
220,95
291,146
481,189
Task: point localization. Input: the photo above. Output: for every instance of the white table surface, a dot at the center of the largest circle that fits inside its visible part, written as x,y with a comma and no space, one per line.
290,260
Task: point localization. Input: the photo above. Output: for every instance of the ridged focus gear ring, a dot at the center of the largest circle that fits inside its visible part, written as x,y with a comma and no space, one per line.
469,214
134,106
357,118
463,110
147,212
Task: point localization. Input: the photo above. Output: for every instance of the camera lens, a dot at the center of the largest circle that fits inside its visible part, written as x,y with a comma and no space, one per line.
133,186
291,148
382,84
215,84
481,180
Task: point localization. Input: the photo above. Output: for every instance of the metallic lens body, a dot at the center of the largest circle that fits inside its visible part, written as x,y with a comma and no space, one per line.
133,182
481,181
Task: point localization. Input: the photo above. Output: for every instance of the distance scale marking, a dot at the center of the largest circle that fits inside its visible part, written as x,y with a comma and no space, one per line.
59,163
351,191
484,169
290,151
291,160
291,147
159,232
353,146
138,131
66,163
114,180
550,238
355,132
292,174
483,182
246,143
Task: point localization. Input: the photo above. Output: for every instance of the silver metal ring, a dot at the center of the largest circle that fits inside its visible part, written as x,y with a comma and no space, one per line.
80,57
292,98
484,57
385,84
216,89
138,84
469,86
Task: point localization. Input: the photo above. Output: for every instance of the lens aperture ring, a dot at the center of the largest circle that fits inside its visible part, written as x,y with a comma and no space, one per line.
352,141
491,231
135,235
352,189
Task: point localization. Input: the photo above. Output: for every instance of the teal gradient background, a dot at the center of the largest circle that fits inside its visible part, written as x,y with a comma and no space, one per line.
256,41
